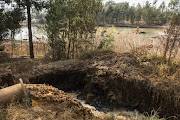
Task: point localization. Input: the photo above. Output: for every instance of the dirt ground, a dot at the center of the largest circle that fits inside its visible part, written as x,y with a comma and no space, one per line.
111,80
49,103
11,69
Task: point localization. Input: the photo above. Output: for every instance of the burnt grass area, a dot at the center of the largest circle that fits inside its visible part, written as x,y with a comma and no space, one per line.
113,80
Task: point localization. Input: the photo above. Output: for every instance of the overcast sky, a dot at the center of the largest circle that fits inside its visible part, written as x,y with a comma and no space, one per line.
135,2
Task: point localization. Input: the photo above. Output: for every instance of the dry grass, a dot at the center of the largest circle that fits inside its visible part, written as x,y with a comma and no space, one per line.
149,52
57,106
42,112
136,43
159,71
90,54
22,48
124,41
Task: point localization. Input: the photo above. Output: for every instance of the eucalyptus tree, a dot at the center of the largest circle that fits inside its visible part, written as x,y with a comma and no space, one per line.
147,13
175,6
13,19
56,27
150,13
28,4
3,27
71,23
138,13
132,13
82,25
163,17
117,13
109,14
10,21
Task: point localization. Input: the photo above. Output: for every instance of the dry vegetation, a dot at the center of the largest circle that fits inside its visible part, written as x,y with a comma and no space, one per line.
164,78
149,53
49,103
19,48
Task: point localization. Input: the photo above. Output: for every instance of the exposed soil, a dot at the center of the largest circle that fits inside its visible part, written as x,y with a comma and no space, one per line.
11,69
112,80
49,103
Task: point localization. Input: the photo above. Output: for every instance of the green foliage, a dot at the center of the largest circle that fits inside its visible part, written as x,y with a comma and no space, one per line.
28,4
38,4
107,39
10,20
119,13
3,27
14,18
72,25
138,13
132,14
56,28
175,6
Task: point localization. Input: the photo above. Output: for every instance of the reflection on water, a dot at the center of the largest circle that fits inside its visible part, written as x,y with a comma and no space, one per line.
38,32
122,113
39,35
150,32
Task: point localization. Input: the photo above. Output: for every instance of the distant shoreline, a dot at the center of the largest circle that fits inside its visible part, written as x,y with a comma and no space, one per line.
133,26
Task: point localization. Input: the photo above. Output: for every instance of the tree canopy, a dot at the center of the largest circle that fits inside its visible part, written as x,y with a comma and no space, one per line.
148,14
69,23
10,21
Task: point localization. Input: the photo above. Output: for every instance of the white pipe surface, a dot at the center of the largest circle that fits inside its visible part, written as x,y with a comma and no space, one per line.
10,94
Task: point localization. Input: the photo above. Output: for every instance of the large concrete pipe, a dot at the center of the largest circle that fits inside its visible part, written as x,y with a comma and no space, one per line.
13,93
9,94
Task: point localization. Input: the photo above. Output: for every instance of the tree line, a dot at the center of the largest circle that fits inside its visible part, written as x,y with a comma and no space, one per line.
10,19
71,24
148,14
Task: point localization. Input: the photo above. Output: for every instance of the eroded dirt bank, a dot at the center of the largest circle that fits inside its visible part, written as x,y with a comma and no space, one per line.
49,103
113,80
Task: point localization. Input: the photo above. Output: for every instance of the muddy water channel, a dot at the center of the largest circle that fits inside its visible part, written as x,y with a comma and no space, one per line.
121,113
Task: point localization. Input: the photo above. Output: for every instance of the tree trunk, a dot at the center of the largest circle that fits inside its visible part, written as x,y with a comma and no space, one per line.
53,50
166,48
172,47
69,46
73,50
29,29
12,43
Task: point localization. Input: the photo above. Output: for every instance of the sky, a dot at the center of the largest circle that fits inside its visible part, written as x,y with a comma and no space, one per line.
135,2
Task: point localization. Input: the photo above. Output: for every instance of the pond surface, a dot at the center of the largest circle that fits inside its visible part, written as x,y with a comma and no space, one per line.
38,34
150,32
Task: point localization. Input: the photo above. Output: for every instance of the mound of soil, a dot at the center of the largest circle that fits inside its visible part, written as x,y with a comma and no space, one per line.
6,79
11,69
43,94
49,103
112,80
